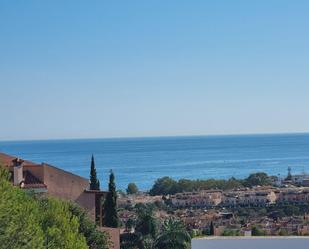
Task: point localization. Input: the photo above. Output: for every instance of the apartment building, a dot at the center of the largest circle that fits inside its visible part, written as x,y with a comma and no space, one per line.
204,198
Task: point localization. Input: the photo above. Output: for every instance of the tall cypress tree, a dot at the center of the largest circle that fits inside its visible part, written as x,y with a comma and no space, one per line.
110,204
212,229
94,182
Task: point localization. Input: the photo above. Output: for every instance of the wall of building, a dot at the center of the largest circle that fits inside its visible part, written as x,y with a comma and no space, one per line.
36,169
251,242
114,234
64,184
87,201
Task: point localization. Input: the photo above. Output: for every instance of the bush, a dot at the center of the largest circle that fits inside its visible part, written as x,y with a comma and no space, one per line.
20,219
28,221
132,189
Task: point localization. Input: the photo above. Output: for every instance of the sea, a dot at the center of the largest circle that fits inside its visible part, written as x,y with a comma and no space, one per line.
143,160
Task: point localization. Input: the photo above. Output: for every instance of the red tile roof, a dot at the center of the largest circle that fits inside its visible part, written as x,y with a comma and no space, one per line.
30,181
7,160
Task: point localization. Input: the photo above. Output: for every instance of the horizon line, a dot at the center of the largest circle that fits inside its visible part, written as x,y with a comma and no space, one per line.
157,136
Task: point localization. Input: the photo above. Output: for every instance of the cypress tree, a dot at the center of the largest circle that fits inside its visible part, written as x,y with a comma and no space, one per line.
212,229
110,204
94,182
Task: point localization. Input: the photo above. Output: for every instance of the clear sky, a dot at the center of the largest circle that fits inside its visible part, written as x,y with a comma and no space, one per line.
91,69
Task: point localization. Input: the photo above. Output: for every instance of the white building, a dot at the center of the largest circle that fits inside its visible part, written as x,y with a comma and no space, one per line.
251,243
302,179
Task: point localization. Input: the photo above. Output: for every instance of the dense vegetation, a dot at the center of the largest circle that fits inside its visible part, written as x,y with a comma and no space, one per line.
166,185
28,221
110,205
149,233
132,189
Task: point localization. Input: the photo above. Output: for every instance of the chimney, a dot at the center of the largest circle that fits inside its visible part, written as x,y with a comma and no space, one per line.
18,171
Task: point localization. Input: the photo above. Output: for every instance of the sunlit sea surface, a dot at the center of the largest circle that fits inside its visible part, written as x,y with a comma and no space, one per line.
143,160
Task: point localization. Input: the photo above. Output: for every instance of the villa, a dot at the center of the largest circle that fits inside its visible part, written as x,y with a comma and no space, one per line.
46,179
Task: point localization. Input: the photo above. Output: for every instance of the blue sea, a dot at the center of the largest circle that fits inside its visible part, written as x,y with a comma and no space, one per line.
143,160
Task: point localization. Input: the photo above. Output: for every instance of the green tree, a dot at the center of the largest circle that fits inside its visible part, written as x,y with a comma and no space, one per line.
146,223
94,238
94,182
257,232
132,189
283,232
110,204
30,221
173,236
231,232
130,223
19,218
256,179
164,186
130,241
60,226
212,229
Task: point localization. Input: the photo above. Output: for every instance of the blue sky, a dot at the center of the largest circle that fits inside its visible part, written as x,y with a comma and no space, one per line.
90,69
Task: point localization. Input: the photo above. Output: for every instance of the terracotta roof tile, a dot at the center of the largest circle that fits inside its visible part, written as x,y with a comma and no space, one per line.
30,181
7,160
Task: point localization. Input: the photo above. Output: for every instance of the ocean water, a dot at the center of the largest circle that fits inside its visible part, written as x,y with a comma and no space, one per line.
143,160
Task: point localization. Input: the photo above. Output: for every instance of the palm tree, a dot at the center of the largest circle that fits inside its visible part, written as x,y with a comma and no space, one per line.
146,224
173,236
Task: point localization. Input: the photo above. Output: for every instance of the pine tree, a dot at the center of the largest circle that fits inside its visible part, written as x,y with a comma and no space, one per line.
110,204
94,182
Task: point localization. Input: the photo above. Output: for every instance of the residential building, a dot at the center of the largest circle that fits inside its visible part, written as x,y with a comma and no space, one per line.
49,180
210,198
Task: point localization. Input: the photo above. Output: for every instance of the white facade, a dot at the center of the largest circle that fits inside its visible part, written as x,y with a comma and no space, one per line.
251,243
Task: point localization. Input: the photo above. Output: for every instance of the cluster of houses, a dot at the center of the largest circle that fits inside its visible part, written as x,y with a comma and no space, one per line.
260,196
297,226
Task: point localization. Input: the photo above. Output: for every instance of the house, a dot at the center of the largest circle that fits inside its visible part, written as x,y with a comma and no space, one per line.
249,198
204,198
46,179
294,195
301,179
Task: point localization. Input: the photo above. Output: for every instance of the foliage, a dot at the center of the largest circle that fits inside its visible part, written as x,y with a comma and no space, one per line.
212,229
231,232
173,236
164,186
130,241
60,226
110,204
94,238
29,221
283,232
130,224
19,218
256,179
94,182
257,232
168,186
146,223
145,229
132,189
